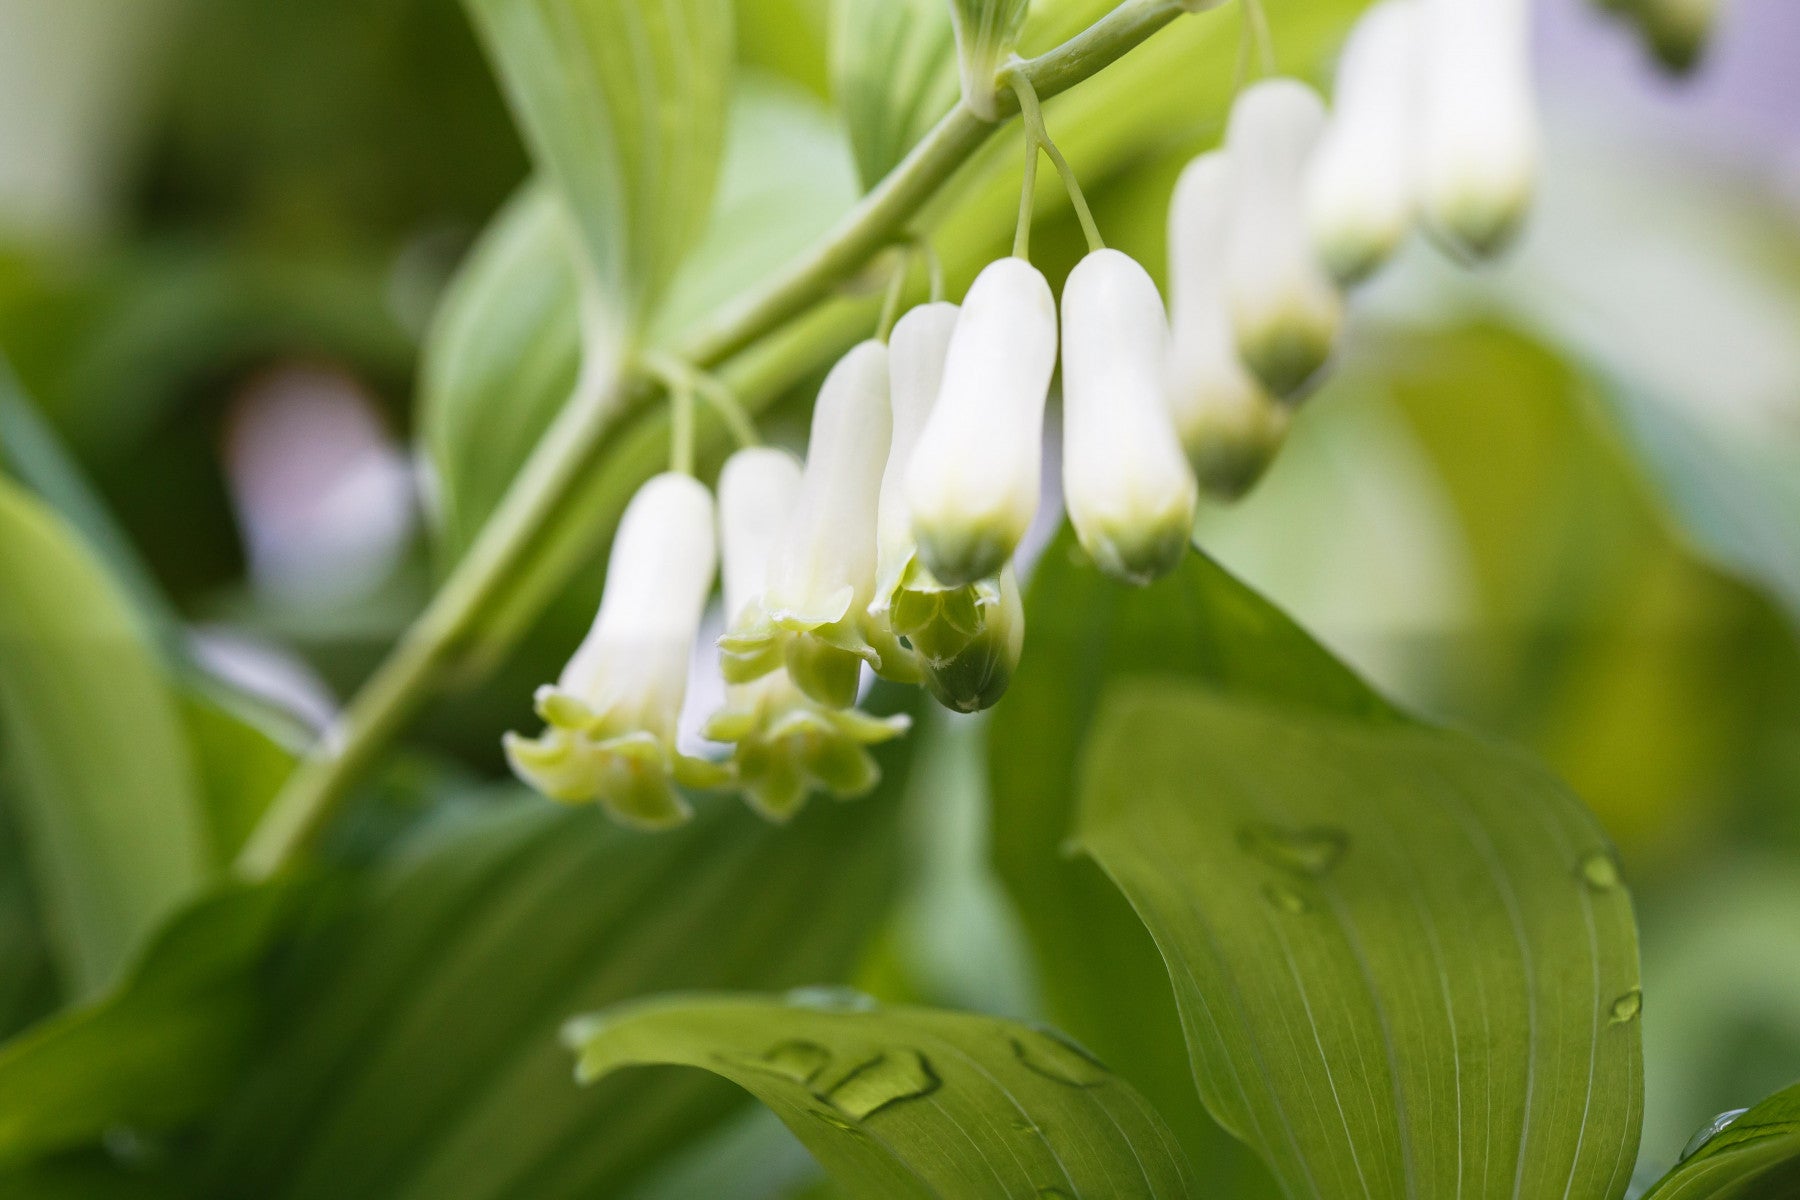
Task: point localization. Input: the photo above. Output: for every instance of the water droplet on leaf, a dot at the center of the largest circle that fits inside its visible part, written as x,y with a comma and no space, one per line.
888,1078
1709,1131
798,1061
1312,852
1627,1007
1600,872
832,999
1056,1057
1286,899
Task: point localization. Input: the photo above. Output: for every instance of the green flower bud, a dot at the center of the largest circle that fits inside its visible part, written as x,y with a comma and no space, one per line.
978,675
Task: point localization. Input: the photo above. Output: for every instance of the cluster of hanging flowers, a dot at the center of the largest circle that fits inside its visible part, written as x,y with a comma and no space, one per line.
890,550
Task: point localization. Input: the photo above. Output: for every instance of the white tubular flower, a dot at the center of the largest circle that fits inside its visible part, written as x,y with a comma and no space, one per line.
1127,485
974,476
916,352
1284,308
1361,187
784,744
1229,424
1480,142
612,715
813,614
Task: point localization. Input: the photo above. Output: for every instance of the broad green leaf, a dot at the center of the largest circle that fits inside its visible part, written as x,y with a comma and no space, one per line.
789,38
909,1102
240,762
1754,1155
1404,959
893,69
418,1054
623,105
501,359
28,984
106,790
34,455
157,1050
1101,974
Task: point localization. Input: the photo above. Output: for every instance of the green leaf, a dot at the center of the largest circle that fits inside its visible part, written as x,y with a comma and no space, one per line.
909,1102
1101,973
623,105
1404,959
1754,1156
501,359
893,69
28,985
418,1055
241,764
158,1049
106,790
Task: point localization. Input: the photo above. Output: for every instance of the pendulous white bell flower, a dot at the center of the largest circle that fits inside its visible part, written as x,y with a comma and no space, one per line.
784,745
1362,186
1480,143
917,349
973,481
1126,482
1228,422
1284,309
962,655
612,715
814,609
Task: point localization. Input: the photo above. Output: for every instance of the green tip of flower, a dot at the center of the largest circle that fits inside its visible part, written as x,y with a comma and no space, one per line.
1229,456
1351,258
1285,355
967,553
1481,224
1143,552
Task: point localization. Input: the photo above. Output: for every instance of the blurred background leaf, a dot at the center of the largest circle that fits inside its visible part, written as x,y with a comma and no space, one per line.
623,105
416,1051
104,784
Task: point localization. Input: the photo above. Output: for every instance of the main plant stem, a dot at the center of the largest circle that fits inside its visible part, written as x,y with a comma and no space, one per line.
318,787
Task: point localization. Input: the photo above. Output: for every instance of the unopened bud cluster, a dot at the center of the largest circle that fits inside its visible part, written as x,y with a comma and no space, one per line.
891,549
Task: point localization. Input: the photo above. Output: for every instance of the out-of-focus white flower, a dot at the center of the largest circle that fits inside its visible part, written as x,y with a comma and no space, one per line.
1284,309
613,713
814,609
1229,424
974,476
1362,184
1126,483
1480,146
785,745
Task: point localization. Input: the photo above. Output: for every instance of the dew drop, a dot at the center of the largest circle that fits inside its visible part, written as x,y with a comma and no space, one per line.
797,1061
832,999
1311,852
1709,1131
1056,1057
1600,872
1627,1007
1026,1127
1286,899
835,1121
888,1078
